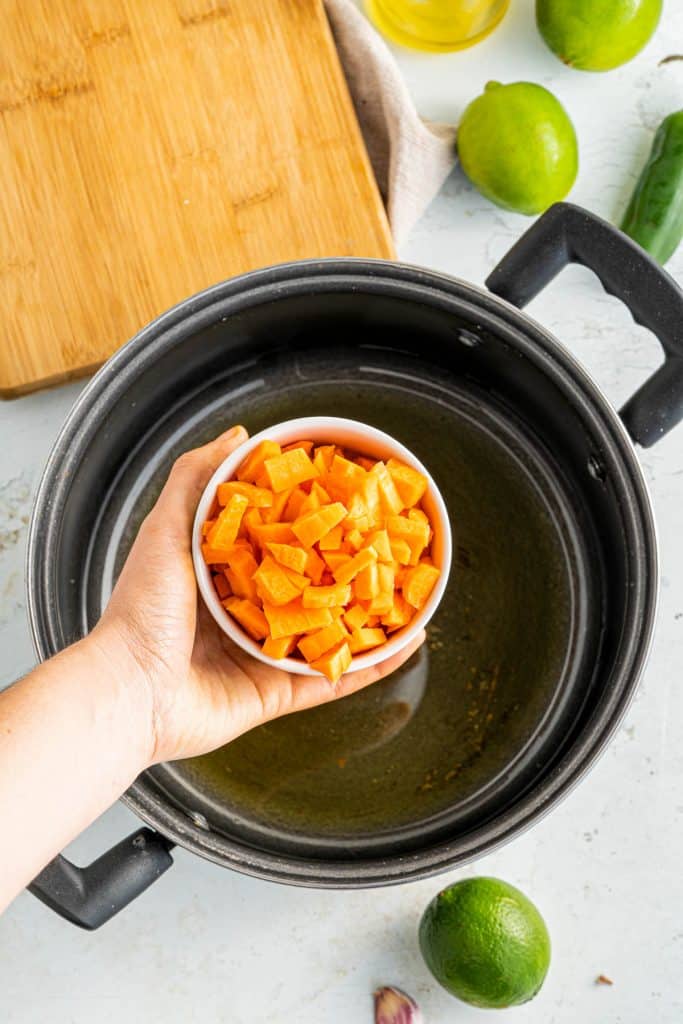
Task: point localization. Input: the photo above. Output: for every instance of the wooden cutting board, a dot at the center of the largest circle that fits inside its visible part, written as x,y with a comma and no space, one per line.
149,148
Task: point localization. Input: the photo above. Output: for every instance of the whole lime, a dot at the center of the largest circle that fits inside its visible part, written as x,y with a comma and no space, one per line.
486,943
597,35
517,144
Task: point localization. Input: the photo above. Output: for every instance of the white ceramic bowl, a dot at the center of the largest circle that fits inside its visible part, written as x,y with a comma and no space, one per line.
367,441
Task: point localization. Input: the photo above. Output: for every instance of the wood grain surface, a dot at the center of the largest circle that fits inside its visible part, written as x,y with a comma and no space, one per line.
150,148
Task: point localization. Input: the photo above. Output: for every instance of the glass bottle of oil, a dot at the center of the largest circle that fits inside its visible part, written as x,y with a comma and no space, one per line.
438,25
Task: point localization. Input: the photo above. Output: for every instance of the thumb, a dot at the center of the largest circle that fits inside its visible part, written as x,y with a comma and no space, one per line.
189,476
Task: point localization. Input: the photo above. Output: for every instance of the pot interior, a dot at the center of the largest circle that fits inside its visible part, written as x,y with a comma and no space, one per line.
507,679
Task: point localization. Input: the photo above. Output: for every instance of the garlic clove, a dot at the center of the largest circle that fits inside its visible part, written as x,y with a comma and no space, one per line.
395,1007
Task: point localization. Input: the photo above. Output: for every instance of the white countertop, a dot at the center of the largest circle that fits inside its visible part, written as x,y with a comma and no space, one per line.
208,945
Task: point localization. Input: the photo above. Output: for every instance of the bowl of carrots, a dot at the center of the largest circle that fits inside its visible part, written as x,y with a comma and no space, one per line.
322,545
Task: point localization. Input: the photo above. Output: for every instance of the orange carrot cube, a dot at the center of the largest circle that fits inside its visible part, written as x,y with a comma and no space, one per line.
223,534
379,540
418,584
410,484
273,583
306,445
366,583
315,567
259,497
316,644
222,586
399,615
312,526
280,648
289,469
389,499
400,550
326,597
332,540
346,572
334,663
365,639
215,556
289,556
273,533
288,619
355,617
254,462
249,616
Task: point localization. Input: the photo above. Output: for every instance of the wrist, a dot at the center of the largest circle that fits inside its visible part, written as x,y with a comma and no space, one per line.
122,695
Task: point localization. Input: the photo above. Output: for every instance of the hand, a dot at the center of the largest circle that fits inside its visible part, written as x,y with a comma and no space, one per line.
202,690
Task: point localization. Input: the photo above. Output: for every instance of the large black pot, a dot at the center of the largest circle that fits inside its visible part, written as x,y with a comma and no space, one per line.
494,405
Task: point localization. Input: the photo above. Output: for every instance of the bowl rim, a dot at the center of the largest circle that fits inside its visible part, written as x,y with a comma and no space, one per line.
305,427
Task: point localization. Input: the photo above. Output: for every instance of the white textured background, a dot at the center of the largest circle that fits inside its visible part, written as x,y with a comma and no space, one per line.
605,868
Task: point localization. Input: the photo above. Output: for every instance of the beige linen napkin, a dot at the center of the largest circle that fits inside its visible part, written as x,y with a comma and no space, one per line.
411,158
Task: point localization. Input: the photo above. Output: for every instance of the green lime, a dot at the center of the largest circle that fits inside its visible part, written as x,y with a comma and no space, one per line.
486,943
518,146
597,35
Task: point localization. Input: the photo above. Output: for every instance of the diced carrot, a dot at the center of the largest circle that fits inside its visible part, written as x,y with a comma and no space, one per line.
415,533
316,644
280,648
273,533
207,526
366,584
310,527
315,567
366,639
332,540
251,519
419,583
293,506
418,516
249,616
389,498
362,523
289,469
355,539
367,464
410,484
215,556
346,572
337,612
259,497
400,550
288,619
344,477
222,586
276,512
382,604
317,497
326,597
223,534
399,615
242,566
333,559
371,497
253,464
334,663
374,620
274,584
379,540
289,556
306,445
356,617
322,457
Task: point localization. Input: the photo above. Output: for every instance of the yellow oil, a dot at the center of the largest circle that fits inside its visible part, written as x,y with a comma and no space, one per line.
436,25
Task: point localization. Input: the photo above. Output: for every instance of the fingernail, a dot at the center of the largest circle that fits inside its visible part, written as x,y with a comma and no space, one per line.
234,432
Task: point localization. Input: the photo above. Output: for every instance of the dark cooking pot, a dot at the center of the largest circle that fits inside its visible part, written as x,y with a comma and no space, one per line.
508,422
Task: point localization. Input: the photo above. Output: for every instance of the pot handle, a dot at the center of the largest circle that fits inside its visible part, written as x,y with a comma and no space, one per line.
568,234
90,896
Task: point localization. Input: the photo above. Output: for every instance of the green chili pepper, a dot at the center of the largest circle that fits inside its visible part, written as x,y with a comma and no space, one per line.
654,217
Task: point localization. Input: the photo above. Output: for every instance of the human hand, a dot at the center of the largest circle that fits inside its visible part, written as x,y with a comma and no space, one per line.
198,688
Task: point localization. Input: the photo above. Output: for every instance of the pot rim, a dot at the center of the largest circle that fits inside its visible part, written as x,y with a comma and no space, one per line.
378,276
